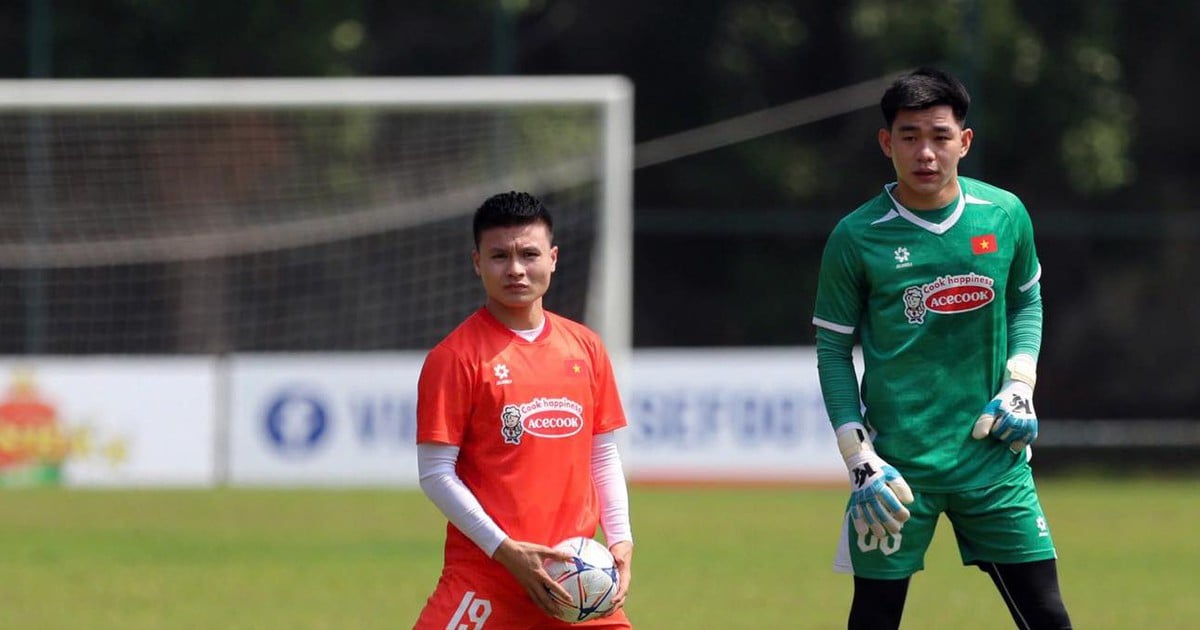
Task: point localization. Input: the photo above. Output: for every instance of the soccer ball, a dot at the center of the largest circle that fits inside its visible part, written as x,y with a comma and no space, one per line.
590,576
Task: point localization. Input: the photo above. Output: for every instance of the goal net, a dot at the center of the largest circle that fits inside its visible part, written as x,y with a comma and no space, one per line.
214,216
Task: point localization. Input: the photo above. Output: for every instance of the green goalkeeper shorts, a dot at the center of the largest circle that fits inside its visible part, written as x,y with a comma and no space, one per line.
1002,523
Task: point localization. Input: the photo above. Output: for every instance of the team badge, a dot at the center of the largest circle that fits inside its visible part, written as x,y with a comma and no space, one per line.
575,367
948,295
984,244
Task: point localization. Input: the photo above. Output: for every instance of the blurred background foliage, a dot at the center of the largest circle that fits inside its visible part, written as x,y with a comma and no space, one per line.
1079,108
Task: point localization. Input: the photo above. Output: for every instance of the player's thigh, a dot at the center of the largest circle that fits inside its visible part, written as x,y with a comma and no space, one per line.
896,556
466,600
1002,523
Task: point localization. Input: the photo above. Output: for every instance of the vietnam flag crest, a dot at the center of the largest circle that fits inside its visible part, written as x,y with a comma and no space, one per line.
984,244
575,367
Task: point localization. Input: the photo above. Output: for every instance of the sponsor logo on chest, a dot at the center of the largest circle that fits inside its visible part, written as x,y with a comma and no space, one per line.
541,417
948,295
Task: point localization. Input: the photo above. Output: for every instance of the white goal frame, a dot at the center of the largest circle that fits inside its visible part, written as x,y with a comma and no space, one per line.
610,301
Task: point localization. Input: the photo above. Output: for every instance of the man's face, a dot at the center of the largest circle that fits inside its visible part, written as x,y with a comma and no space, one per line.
515,264
925,146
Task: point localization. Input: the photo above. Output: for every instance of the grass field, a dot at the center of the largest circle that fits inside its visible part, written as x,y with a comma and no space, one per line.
706,558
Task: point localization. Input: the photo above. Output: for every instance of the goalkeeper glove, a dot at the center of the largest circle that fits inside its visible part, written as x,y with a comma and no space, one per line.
1009,417
877,491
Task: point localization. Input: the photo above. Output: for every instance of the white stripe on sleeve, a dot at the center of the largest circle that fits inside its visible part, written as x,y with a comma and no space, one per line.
828,325
1029,285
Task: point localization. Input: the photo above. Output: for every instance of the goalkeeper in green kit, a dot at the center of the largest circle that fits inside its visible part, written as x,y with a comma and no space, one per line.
937,279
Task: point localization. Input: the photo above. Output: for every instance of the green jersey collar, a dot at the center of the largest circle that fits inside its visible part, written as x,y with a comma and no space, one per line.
911,217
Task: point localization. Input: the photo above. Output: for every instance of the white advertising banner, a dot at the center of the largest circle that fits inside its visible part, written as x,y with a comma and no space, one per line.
737,415
728,415
324,419
107,421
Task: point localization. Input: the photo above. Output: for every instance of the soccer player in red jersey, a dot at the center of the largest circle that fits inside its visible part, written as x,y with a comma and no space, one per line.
516,413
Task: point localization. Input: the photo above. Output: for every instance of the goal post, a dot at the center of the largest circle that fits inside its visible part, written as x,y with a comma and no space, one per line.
214,216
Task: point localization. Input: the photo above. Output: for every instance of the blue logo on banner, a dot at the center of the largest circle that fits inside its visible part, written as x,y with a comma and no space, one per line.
695,419
296,423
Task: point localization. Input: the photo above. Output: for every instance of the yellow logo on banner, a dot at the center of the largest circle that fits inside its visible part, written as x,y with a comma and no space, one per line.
34,440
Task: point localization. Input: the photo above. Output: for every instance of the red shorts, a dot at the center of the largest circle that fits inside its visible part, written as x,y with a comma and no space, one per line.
467,598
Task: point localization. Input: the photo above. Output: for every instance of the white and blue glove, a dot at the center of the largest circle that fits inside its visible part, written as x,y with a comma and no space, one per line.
877,491
1010,417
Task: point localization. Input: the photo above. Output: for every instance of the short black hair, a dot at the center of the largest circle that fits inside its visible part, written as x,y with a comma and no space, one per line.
924,88
510,209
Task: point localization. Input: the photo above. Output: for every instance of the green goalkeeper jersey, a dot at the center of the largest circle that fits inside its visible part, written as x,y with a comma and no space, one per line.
928,294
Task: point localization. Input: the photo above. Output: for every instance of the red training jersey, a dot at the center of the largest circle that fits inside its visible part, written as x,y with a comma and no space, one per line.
523,414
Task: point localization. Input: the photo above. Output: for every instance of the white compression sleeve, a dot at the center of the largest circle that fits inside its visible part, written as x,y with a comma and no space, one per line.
436,467
609,479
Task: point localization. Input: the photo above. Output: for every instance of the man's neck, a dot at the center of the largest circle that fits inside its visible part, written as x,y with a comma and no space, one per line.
921,203
525,317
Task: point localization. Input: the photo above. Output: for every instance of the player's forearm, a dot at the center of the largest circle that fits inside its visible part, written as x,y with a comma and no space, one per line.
439,481
608,475
839,383
1025,324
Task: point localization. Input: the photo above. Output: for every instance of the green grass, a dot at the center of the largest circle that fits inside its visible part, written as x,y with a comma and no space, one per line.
706,558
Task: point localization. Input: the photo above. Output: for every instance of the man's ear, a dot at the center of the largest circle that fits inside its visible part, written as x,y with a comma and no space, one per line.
885,142
475,260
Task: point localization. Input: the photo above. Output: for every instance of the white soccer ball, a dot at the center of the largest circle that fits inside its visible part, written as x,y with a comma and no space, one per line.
590,576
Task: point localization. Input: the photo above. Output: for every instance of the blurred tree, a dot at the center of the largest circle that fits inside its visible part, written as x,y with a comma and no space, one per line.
219,38
1081,108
